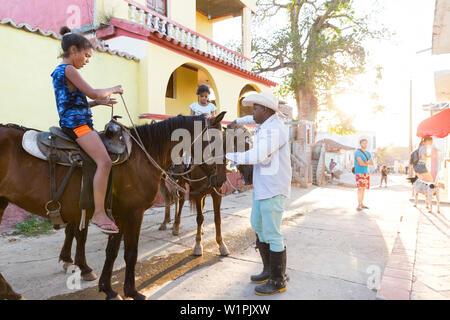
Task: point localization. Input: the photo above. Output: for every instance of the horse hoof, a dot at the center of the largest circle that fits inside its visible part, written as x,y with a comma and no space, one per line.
162,227
67,265
175,232
224,250
137,296
198,250
91,276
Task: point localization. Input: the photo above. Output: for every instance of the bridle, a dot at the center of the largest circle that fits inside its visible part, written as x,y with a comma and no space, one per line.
203,165
167,176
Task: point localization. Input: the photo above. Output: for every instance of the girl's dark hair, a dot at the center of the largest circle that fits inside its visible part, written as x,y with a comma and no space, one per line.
203,88
424,139
73,39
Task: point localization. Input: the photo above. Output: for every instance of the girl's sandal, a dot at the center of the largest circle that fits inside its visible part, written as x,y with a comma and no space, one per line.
106,231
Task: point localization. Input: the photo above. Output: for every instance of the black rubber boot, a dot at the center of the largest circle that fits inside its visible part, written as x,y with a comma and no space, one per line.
264,251
277,281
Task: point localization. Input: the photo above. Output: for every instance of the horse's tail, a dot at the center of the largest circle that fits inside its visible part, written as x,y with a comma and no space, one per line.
192,204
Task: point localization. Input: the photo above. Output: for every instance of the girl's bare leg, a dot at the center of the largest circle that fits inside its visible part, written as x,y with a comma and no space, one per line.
93,146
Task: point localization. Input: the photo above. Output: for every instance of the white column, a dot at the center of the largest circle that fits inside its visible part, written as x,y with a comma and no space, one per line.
170,30
177,31
246,33
132,13
149,20
156,23
141,16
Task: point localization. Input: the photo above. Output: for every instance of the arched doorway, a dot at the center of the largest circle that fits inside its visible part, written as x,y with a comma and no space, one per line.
247,90
182,87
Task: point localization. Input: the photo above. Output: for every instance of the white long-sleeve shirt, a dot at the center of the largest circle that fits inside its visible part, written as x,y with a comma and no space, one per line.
270,157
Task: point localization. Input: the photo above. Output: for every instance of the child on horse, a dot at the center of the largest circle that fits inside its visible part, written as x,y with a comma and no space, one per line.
203,106
71,92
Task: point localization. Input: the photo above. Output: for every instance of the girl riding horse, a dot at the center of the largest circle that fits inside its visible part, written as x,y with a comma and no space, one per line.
76,117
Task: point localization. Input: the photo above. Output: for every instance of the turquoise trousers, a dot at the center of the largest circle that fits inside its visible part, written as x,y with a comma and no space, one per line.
266,221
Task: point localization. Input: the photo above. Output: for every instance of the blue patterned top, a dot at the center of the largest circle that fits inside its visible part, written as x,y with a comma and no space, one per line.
73,107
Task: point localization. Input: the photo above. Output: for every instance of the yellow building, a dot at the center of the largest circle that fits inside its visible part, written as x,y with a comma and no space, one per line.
160,51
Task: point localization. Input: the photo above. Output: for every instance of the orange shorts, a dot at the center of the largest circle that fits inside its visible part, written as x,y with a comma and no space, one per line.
81,130
77,132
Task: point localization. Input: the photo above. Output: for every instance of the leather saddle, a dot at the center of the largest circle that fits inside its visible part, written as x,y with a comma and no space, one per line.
39,144
57,148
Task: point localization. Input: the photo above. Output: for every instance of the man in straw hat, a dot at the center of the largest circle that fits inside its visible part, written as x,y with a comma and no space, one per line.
272,176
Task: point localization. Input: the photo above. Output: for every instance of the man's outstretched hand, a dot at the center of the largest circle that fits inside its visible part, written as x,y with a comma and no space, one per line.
232,125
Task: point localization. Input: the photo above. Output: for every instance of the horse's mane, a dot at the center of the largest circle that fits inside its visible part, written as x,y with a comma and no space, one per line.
157,136
16,126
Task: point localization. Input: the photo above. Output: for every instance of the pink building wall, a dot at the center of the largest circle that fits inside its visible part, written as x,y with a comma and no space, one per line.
49,15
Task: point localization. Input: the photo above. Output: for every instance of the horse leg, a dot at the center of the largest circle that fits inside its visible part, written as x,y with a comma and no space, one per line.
167,201
80,255
198,249
3,204
112,250
131,241
217,200
176,223
6,292
66,252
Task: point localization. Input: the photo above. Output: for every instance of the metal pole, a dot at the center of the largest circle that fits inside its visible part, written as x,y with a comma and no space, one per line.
410,125
410,117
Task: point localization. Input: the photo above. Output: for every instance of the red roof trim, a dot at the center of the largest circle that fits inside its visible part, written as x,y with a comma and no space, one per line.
120,27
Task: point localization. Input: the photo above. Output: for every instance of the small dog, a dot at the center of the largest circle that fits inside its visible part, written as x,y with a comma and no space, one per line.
428,189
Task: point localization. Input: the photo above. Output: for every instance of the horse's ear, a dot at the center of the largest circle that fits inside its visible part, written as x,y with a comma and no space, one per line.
219,118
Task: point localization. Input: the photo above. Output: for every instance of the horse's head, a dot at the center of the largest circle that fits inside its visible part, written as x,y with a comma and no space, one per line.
238,139
214,163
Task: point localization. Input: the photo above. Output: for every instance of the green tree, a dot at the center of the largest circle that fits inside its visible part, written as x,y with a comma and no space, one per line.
320,46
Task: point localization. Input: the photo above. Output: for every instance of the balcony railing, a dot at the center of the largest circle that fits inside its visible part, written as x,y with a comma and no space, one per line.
172,30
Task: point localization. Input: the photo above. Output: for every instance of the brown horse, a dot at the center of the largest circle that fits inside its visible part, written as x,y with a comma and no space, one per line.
135,185
170,197
199,189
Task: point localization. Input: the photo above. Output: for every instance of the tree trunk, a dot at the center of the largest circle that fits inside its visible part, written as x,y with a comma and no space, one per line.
306,104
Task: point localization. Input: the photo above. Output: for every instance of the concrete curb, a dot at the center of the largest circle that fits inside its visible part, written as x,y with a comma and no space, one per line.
397,280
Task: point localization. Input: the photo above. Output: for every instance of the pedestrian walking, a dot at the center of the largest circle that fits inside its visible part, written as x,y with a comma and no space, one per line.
272,176
421,155
363,159
332,167
384,175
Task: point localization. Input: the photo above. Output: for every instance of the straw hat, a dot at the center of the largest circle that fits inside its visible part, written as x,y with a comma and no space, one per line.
265,99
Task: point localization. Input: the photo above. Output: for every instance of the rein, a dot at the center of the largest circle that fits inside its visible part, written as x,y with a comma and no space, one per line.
167,177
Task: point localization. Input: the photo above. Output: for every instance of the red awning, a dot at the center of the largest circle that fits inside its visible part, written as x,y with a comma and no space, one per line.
435,126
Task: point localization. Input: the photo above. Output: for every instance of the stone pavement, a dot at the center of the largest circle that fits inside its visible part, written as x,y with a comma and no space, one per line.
419,265
432,259
334,251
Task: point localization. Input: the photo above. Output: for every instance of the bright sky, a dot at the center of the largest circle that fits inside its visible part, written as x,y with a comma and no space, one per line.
412,23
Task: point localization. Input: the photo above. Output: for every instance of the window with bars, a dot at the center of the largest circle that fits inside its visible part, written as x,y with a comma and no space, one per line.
159,6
